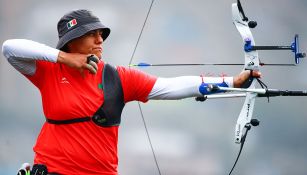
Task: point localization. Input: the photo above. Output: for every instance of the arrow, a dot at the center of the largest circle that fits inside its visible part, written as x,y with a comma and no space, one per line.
142,64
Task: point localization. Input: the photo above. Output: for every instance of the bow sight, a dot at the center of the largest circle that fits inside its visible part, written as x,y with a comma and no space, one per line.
294,47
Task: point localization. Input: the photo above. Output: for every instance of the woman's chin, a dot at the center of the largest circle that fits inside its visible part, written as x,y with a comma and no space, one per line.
98,54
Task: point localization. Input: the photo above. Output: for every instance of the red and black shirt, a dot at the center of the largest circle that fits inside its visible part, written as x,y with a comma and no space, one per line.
80,148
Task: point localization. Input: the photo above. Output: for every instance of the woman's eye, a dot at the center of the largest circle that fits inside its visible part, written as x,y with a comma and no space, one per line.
94,33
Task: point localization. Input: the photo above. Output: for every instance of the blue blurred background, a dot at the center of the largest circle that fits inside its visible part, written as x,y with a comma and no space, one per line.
188,137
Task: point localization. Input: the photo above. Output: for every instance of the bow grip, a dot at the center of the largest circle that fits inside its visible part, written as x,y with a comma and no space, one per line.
248,82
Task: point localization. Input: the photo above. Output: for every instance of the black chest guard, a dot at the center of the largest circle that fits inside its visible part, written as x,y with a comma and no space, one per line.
109,114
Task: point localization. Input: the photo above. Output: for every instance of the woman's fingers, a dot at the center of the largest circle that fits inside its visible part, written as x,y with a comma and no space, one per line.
92,67
91,64
256,74
244,76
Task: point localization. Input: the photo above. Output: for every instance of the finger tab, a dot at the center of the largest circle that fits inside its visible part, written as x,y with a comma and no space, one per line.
92,58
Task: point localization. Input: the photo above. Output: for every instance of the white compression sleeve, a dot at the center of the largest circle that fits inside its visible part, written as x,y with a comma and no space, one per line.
182,87
22,54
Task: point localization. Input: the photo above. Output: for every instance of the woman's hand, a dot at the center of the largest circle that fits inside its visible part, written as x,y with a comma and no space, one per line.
243,76
79,61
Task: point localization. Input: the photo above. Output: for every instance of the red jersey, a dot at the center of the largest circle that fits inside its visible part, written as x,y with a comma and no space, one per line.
80,148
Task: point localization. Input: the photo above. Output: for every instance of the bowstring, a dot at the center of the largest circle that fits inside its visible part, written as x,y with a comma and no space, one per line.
139,105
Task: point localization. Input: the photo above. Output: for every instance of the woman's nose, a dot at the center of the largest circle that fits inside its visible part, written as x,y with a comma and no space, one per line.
99,38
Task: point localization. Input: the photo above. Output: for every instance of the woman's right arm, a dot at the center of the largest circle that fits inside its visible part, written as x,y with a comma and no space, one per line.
22,54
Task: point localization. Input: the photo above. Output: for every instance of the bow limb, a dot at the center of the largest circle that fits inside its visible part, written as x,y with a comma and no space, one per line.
251,63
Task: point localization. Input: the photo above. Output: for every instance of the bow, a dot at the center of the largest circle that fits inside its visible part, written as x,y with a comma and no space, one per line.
252,63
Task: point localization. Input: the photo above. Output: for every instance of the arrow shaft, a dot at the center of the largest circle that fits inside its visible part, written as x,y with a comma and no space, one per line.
201,64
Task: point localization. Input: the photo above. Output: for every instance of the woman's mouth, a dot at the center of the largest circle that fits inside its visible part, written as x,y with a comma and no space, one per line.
98,49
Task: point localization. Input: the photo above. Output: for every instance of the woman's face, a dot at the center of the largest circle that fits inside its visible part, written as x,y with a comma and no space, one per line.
90,43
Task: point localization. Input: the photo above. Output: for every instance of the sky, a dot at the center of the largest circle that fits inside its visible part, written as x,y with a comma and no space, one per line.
188,137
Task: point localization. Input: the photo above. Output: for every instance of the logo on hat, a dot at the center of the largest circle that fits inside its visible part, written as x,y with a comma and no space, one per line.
71,23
